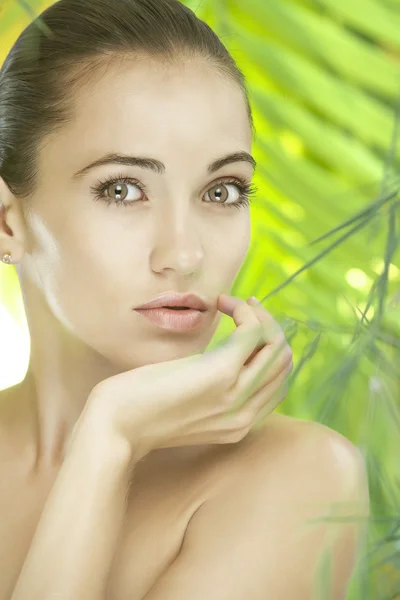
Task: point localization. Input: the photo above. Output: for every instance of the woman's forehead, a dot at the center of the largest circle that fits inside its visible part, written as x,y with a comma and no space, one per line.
144,96
154,116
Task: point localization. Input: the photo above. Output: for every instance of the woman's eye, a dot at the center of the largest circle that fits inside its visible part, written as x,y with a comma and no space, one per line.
120,191
219,194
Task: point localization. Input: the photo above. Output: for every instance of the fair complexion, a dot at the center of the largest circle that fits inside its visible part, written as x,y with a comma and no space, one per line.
84,265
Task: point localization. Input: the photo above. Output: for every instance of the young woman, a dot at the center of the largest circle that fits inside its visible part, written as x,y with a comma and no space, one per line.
132,461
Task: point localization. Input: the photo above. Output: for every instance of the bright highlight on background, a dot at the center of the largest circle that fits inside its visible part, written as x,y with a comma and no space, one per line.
14,353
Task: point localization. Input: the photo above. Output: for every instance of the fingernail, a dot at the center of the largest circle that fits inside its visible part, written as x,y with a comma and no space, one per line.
253,300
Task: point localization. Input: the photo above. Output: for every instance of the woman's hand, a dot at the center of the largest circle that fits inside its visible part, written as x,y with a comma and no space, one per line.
211,398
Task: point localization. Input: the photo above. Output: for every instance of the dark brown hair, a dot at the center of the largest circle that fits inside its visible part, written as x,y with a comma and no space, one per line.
70,42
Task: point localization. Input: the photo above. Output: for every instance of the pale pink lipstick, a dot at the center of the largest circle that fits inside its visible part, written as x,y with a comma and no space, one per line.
176,313
175,319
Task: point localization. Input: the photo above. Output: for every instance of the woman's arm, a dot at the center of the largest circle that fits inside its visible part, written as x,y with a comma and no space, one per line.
75,541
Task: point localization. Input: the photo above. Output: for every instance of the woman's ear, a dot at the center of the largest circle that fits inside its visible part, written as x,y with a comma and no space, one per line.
12,224
3,220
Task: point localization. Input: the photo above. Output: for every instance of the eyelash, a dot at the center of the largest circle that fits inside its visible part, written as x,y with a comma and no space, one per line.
247,190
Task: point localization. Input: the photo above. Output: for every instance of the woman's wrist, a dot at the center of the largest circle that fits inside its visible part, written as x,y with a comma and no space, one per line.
95,436
92,436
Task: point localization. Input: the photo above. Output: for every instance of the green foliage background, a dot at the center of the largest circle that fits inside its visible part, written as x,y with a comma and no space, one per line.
324,79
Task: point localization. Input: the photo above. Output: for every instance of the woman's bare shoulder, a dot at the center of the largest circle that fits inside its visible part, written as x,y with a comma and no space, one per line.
287,443
285,429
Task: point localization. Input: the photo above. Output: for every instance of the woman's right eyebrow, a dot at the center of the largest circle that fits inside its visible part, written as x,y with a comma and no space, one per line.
158,167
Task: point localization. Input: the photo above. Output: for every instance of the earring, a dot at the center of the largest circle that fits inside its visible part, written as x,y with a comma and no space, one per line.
7,259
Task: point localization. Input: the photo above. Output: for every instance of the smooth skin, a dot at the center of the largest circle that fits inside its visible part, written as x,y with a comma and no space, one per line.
78,534
125,418
83,267
209,398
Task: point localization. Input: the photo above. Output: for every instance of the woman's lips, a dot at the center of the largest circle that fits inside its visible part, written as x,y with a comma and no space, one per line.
174,319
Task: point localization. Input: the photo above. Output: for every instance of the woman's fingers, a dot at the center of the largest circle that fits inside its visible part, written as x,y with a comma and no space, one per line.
272,329
269,363
237,309
253,356
247,317
261,404
271,326
229,357
268,406
267,399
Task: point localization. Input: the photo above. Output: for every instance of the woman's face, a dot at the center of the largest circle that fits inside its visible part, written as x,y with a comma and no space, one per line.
96,260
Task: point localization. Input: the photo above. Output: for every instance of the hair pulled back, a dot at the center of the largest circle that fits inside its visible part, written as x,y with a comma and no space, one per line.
70,42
